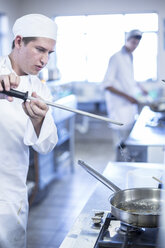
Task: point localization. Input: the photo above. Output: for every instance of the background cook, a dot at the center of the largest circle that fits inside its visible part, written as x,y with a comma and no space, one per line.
120,87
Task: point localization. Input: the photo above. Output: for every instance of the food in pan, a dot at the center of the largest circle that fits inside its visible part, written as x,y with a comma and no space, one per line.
140,207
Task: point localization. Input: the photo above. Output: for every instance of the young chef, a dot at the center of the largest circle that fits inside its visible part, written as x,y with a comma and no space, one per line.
23,124
119,85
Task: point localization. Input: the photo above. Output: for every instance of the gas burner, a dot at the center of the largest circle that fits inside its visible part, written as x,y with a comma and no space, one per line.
125,229
114,233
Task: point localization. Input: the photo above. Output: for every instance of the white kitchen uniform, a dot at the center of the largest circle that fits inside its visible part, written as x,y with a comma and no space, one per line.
16,135
120,75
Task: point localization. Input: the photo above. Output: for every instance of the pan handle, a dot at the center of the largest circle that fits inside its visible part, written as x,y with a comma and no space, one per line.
99,177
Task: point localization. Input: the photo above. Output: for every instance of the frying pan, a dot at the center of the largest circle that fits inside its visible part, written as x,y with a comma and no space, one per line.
139,207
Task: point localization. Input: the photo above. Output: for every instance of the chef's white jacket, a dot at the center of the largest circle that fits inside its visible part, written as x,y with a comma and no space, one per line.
120,75
16,135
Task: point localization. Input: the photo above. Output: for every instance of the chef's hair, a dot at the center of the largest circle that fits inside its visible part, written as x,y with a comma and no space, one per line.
137,37
26,40
135,33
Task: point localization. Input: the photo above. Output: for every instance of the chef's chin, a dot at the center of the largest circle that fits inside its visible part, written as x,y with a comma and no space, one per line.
34,73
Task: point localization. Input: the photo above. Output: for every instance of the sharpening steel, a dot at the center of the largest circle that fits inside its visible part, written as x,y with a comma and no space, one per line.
24,96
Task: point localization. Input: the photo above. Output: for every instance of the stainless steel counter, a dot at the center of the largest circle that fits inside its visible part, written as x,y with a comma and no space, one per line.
82,235
144,134
146,142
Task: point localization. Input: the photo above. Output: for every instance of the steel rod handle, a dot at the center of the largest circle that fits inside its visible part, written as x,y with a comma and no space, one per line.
99,177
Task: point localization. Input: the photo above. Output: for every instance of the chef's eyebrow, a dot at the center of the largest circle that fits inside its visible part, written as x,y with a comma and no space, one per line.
44,49
52,51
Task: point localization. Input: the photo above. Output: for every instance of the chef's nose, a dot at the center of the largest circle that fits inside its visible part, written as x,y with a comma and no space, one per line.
44,59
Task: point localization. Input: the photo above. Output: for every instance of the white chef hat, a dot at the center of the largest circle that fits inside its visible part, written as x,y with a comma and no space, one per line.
134,33
35,25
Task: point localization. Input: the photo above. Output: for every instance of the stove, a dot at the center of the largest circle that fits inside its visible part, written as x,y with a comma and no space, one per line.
113,233
95,227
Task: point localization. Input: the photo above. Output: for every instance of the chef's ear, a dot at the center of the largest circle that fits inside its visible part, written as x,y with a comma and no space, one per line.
18,41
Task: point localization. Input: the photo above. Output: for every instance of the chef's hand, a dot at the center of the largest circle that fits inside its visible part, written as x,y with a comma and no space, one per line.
36,110
7,82
144,92
142,88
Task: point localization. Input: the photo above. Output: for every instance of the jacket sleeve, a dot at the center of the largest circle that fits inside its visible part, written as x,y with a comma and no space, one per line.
110,78
48,134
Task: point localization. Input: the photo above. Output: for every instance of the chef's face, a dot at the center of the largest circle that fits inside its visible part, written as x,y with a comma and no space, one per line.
33,56
131,44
